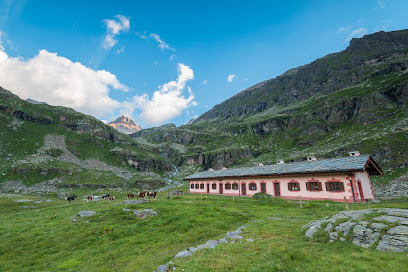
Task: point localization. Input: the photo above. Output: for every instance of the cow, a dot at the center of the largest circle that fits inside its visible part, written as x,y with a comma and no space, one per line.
111,198
105,197
131,196
89,198
141,195
70,198
152,194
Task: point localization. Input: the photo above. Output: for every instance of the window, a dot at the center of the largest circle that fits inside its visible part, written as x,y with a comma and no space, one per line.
192,186
214,186
335,186
196,185
314,186
293,186
202,186
235,186
252,186
227,186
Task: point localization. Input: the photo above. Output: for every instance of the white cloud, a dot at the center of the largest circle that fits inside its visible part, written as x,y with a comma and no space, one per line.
167,102
119,51
231,77
342,29
204,82
172,57
59,81
1,41
348,33
113,28
162,44
381,4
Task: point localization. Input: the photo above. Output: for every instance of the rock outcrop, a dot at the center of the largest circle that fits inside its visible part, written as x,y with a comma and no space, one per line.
125,125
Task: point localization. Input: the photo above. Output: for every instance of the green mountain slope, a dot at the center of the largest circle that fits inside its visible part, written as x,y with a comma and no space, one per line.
39,143
352,100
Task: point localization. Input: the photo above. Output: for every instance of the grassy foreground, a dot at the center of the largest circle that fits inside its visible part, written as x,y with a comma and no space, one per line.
44,238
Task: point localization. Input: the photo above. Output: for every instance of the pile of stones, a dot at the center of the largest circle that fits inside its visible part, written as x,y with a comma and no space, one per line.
387,229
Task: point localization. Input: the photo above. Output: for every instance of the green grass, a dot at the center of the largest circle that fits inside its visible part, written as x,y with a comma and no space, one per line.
45,239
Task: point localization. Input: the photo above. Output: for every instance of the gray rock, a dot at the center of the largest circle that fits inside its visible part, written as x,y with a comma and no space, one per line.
393,243
23,200
367,240
161,268
250,240
211,244
86,213
233,233
342,239
223,241
273,218
192,249
378,226
399,230
142,214
390,219
345,227
333,236
312,230
183,254
135,201
126,210
329,227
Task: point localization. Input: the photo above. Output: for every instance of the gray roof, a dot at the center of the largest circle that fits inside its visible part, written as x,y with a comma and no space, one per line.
346,164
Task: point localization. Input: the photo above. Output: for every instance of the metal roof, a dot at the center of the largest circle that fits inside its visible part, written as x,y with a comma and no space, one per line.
345,164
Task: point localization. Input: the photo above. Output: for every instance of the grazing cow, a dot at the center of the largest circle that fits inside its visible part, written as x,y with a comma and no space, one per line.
111,198
89,198
152,194
131,196
105,197
141,195
71,198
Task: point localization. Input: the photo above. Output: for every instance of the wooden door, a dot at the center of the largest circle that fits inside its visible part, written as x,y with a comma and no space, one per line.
221,192
277,189
263,188
243,189
208,188
360,189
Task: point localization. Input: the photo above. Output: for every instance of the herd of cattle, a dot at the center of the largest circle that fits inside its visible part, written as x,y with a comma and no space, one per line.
109,197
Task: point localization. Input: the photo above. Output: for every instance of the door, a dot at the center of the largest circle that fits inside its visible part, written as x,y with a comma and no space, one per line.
243,189
360,189
277,189
208,188
221,192
263,188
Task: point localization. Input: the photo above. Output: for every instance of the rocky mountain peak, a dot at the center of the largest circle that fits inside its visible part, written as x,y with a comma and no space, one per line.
125,125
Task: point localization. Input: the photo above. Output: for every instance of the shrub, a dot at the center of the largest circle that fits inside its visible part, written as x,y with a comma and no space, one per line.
262,196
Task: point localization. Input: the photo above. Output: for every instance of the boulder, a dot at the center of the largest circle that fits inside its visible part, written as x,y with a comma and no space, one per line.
142,214
86,213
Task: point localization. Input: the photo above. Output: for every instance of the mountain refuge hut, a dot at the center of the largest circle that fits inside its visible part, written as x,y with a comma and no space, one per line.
328,179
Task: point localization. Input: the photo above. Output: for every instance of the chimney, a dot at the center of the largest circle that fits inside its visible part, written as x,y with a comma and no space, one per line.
311,158
259,164
354,153
280,162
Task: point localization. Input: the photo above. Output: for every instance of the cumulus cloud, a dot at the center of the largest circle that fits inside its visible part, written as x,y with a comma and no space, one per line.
113,28
168,101
204,82
59,81
231,77
162,44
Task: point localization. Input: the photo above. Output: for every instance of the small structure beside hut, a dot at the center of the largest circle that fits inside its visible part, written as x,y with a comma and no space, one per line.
329,179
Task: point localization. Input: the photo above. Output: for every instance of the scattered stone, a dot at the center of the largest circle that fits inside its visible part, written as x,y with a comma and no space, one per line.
86,213
250,240
142,214
188,202
23,200
183,254
333,236
161,268
135,201
274,218
126,210
192,249
329,227
223,241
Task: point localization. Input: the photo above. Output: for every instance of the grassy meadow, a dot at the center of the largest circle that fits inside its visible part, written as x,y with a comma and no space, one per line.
42,237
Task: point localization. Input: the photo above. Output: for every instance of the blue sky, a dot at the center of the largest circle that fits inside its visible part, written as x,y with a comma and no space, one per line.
164,62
